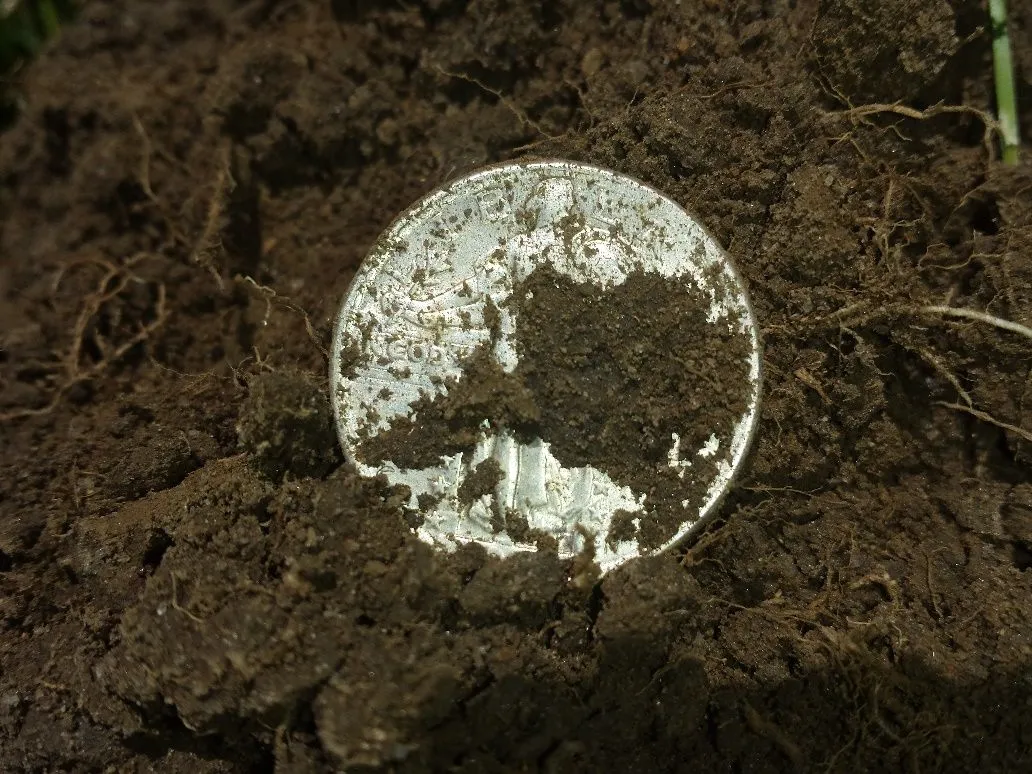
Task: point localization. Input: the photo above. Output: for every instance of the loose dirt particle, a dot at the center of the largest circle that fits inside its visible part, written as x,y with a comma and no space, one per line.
482,481
287,426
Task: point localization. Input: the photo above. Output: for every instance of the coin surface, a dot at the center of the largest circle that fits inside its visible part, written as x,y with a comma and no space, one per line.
444,286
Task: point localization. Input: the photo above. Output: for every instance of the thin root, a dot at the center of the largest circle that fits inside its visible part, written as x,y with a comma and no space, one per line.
208,242
986,417
948,375
861,311
144,177
971,314
269,294
177,606
992,126
774,734
113,282
936,362
512,106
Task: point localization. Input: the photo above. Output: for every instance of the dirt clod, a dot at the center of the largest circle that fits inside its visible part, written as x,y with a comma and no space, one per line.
482,481
520,589
286,425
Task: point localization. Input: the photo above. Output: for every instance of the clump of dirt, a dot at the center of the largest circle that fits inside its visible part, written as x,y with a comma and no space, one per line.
907,47
481,481
286,425
183,203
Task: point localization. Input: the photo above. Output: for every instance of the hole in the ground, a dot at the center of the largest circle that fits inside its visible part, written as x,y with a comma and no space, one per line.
985,218
126,205
446,9
635,9
158,542
58,140
166,733
242,234
1021,555
551,16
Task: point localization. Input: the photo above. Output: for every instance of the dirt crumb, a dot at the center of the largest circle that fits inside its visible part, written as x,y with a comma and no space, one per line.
482,481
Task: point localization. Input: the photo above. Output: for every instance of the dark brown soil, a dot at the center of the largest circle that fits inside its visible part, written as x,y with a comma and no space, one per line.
190,581
481,481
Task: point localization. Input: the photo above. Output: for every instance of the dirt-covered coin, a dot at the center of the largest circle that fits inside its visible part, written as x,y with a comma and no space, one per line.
549,355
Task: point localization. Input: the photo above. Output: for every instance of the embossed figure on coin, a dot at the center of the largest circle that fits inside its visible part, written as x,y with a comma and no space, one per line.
570,240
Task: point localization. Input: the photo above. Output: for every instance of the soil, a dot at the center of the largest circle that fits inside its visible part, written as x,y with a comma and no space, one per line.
183,204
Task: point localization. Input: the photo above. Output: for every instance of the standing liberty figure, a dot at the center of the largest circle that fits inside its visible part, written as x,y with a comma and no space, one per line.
553,499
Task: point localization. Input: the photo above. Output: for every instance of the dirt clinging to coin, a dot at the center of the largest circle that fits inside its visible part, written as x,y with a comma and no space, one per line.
626,376
451,422
618,379
481,481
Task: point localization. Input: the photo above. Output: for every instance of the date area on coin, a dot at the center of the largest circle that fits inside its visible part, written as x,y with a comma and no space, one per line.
550,356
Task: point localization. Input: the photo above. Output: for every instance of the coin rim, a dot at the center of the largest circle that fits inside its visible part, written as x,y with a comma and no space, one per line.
704,518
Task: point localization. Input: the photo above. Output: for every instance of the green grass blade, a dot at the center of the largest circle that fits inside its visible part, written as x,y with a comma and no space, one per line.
1003,68
49,18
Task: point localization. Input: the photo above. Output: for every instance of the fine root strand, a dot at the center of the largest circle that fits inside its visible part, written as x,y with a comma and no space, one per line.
988,319
862,311
773,733
269,295
143,176
208,243
175,602
861,112
515,109
986,417
113,282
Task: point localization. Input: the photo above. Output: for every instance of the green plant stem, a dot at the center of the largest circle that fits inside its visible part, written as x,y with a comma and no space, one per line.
49,18
1003,69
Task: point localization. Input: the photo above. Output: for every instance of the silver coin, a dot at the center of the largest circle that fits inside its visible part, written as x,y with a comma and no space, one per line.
416,310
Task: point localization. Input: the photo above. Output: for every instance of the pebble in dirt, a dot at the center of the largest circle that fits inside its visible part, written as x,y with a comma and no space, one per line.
551,356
